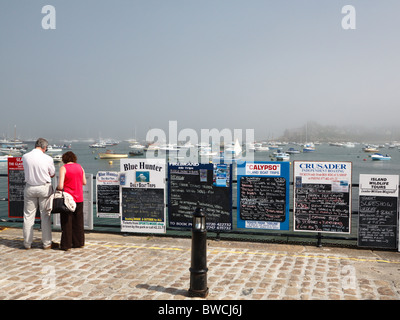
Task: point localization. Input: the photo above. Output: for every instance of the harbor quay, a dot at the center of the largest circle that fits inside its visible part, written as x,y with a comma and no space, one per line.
131,267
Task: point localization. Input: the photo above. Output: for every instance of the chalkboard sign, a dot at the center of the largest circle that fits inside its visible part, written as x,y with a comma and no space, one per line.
378,211
142,195
377,226
16,187
210,185
107,199
107,183
263,198
320,209
322,196
263,195
143,204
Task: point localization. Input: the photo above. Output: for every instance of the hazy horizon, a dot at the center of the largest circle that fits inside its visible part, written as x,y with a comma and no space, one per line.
115,69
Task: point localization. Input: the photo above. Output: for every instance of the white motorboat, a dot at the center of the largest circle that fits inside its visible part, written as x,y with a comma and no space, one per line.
259,147
4,158
282,156
98,145
235,150
293,151
11,151
137,149
57,158
380,157
168,147
309,147
207,152
53,149
349,145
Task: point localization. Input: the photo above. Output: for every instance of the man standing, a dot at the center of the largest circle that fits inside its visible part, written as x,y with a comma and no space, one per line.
38,169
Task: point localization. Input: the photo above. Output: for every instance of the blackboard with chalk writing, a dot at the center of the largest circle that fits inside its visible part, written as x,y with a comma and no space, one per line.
322,196
263,195
319,208
143,204
263,198
377,224
107,199
16,187
378,211
107,194
209,185
142,195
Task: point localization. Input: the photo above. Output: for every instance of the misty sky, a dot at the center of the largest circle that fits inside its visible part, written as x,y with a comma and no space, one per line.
113,66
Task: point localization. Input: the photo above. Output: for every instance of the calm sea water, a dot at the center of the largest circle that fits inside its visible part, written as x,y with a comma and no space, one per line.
362,163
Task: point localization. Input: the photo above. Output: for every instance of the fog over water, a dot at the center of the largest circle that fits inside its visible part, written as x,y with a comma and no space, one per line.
119,68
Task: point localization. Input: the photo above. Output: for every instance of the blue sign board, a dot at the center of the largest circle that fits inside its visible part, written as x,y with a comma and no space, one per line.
263,195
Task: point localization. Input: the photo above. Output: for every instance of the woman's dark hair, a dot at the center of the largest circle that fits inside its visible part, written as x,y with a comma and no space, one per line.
69,156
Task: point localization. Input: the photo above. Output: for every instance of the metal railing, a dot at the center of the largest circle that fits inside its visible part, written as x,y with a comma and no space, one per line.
236,234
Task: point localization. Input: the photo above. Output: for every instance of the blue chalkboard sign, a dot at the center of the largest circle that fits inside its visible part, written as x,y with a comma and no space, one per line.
263,195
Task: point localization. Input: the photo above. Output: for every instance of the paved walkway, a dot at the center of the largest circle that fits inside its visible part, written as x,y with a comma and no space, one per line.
133,267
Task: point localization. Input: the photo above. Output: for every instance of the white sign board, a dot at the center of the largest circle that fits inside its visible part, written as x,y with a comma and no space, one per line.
142,195
322,196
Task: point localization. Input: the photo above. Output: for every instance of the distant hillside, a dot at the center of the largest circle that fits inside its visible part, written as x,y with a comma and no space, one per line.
321,133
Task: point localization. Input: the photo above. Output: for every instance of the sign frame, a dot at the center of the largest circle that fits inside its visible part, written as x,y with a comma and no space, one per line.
221,179
336,175
375,190
16,164
143,174
261,169
107,178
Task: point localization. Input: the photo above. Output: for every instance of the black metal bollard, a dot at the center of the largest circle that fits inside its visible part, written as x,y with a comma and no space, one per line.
198,268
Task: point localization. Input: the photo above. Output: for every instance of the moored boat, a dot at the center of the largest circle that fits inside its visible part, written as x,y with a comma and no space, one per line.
137,149
282,156
4,158
111,155
380,157
57,158
292,151
370,149
309,147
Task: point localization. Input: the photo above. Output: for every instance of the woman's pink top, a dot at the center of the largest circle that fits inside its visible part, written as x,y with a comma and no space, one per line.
73,182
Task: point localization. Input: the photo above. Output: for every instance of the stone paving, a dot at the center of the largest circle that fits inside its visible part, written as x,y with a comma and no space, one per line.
118,267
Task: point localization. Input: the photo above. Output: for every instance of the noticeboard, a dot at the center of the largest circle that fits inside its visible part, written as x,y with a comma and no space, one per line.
107,194
16,187
378,211
207,185
263,195
322,196
142,195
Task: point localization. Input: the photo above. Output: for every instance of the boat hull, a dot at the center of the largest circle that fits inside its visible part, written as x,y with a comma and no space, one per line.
112,156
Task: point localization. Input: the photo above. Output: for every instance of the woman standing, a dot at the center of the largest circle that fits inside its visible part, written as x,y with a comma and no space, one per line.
71,180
